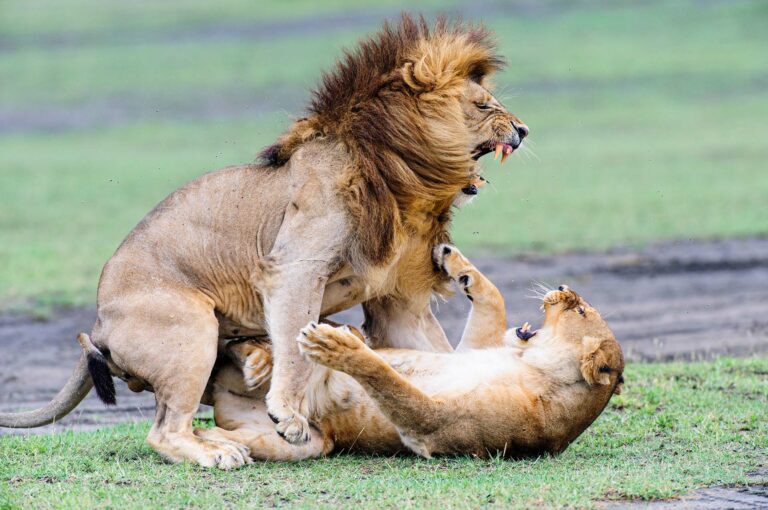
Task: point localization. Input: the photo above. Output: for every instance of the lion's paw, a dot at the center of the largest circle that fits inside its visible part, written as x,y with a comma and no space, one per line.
330,346
223,457
289,424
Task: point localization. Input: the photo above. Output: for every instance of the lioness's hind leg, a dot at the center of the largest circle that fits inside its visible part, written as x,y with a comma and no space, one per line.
487,321
243,420
255,360
264,443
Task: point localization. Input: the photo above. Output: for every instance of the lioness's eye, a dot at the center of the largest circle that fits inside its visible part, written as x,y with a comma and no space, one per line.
483,106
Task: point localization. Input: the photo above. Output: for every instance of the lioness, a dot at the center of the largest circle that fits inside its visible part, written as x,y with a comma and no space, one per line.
344,209
511,393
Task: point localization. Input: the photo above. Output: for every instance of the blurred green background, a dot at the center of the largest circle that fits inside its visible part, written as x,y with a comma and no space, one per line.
648,119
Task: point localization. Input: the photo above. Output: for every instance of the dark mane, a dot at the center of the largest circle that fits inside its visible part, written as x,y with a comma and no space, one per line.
364,70
392,102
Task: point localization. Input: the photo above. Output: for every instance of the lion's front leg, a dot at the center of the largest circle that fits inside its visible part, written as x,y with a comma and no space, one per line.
291,281
289,307
393,322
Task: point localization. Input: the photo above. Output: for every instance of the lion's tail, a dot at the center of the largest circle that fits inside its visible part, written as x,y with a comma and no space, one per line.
92,369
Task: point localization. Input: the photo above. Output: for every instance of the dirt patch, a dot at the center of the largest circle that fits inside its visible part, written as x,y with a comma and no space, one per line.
683,300
715,498
712,498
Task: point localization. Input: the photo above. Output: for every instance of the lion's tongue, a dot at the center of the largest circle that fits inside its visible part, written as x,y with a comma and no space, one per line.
504,150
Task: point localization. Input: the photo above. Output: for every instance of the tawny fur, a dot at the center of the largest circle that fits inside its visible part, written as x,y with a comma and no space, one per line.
497,395
344,211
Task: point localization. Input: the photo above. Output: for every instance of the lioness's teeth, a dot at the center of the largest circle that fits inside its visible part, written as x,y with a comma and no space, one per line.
499,148
504,157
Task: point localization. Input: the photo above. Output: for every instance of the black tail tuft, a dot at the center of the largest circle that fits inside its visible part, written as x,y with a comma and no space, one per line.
102,378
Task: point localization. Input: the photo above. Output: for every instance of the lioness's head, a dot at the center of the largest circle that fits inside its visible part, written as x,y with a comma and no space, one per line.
572,324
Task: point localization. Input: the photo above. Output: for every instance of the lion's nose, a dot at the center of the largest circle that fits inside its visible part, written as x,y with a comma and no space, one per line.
522,130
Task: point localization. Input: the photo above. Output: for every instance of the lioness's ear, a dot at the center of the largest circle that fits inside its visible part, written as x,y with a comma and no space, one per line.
619,386
594,362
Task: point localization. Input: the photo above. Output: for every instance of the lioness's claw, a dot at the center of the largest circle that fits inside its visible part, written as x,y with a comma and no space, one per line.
328,345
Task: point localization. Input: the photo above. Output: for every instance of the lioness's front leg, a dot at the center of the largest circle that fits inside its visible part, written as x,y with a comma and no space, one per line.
487,321
415,414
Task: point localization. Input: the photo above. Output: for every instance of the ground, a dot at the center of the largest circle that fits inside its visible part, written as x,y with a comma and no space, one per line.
677,426
686,425
647,133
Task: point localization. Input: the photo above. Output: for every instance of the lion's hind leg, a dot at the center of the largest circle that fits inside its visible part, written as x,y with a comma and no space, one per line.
487,321
172,347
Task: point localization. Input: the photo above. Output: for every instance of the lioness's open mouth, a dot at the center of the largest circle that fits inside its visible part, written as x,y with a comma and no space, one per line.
524,332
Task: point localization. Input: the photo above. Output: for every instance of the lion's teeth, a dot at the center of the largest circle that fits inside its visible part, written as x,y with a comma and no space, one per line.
504,157
499,148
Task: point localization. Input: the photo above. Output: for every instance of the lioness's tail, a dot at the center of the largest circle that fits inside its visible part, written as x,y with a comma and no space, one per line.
74,391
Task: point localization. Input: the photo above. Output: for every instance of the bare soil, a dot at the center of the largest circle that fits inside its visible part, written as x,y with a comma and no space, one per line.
752,497
681,300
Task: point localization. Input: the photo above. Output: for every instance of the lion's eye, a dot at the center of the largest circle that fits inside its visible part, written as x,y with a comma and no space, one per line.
483,106
581,310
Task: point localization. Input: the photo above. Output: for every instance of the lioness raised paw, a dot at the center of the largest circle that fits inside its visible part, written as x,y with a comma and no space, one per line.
450,260
334,347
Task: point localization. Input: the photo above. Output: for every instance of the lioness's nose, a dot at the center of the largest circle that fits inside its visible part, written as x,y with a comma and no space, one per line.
522,130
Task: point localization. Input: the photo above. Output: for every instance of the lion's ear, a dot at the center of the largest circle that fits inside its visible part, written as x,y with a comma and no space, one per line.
594,361
417,76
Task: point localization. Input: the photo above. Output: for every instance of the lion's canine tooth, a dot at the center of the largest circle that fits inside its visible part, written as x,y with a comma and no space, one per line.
499,148
504,157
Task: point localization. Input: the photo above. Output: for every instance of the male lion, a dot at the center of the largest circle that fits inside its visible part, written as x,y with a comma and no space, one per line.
514,394
343,210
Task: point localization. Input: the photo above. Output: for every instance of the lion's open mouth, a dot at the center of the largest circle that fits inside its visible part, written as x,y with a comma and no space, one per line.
499,148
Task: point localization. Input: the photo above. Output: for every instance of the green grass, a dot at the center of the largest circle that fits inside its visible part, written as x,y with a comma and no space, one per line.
647,122
677,426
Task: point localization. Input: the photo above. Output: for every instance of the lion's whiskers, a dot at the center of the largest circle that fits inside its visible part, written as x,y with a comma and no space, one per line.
528,152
